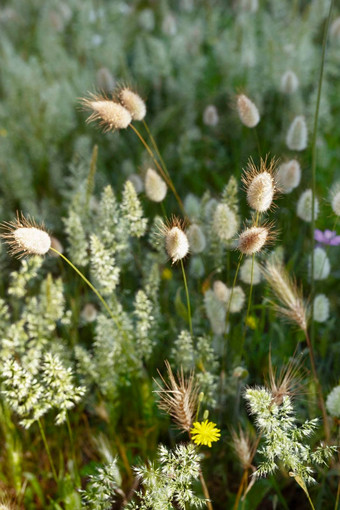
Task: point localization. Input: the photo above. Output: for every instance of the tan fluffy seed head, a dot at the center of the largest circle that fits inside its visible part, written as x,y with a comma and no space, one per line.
252,240
25,237
291,304
155,187
133,103
176,240
179,397
111,115
260,185
247,111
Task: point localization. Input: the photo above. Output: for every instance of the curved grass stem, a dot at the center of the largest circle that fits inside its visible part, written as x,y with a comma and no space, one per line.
188,299
100,297
159,167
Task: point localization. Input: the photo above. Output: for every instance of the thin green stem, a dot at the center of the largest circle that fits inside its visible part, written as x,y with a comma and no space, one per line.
159,167
188,299
100,297
73,451
47,451
155,146
315,129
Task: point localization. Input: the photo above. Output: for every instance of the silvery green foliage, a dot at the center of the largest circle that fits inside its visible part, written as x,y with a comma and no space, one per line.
284,441
78,244
103,268
132,211
200,358
183,351
170,481
32,393
145,324
101,490
19,279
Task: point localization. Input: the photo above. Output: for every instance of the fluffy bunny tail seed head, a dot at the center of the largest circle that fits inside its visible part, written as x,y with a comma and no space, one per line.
26,237
176,240
111,115
133,103
297,135
247,111
155,187
260,185
252,239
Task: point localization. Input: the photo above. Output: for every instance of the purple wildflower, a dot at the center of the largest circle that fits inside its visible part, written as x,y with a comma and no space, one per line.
326,237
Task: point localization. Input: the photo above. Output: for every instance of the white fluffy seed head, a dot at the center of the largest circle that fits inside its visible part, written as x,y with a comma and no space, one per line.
260,192
221,291
155,187
133,103
304,206
321,308
335,199
210,116
89,312
248,267
289,82
252,240
247,111
288,176
25,237
196,238
32,240
333,402
137,182
237,299
176,243
322,266
297,134
111,115
224,222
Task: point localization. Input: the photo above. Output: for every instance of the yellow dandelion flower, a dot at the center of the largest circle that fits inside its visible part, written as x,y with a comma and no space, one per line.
205,433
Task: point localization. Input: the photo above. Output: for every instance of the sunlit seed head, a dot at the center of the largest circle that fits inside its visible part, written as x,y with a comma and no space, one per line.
111,115
321,308
250,272
335,198
196,238
321,266
224,222
155,187
210,116
221,291
260,185
333,402
133,103
89,312
25,237
252,240
237,298
288,176
176,240
244,447
297,134
304,206
248,112
289,82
